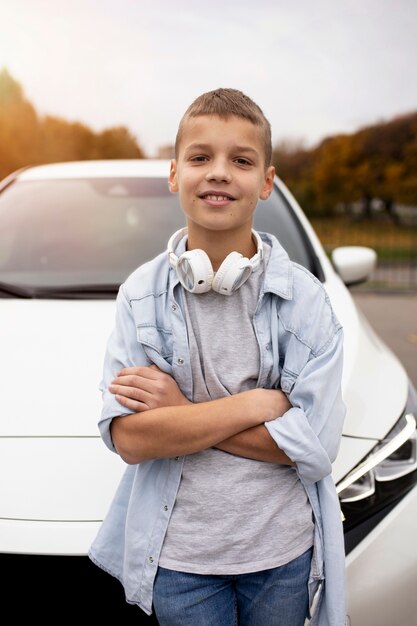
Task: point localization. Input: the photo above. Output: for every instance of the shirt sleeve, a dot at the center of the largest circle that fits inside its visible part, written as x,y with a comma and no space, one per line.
310,432
122,350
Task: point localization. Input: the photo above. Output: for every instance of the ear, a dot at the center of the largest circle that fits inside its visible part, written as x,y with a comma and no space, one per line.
268,183
172,180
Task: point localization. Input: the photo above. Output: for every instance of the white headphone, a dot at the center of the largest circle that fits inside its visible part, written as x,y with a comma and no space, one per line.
196,274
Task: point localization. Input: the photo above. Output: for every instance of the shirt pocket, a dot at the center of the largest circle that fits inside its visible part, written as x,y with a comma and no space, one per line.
157,344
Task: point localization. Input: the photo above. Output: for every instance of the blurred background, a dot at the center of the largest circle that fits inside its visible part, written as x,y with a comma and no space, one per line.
88,79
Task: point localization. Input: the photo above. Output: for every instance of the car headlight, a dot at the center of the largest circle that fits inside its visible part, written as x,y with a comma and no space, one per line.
377,484
393,458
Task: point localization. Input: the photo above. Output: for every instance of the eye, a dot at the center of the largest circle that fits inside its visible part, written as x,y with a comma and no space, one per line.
199,158
242,161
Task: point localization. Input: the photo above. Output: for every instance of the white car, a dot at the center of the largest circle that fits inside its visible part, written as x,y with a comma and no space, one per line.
70,233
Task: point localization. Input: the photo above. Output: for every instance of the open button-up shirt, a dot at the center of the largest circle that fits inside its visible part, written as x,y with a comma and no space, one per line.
301,350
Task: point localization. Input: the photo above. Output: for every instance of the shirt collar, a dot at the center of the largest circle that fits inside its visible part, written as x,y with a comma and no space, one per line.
279,271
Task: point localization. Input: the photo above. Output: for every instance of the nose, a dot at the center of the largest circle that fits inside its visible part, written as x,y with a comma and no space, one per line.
219,171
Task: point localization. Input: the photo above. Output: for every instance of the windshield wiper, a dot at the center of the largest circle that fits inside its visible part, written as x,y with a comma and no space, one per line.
16,291
95,291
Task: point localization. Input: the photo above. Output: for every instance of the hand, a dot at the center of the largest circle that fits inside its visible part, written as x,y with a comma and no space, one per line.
143,388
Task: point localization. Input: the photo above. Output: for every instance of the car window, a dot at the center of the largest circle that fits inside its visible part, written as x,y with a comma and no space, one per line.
57,233
275,216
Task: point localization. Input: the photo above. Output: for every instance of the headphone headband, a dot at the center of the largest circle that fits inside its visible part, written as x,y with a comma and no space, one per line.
179,234
195,271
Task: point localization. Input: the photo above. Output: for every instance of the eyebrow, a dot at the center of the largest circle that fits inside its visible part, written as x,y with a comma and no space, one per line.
206,146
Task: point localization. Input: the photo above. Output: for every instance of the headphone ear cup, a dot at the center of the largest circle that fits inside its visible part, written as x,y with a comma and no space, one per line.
232,273
195,271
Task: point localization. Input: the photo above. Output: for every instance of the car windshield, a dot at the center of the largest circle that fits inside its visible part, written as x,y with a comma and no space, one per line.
89,234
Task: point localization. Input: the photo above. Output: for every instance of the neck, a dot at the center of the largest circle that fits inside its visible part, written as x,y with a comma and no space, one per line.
218,244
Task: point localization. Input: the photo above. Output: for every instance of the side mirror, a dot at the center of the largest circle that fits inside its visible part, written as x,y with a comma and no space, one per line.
354,264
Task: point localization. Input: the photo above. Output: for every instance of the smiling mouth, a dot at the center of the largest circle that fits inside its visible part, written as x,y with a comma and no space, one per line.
216,197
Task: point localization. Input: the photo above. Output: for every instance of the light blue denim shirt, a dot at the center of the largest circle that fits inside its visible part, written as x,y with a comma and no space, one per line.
301,351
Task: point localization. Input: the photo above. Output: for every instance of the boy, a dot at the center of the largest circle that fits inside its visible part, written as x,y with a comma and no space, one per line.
222,392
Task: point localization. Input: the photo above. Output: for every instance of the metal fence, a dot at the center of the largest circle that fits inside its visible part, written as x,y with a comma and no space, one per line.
395,244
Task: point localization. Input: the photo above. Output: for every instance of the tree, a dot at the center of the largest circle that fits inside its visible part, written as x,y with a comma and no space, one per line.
376,162
118,143
26,139
293,163
19,127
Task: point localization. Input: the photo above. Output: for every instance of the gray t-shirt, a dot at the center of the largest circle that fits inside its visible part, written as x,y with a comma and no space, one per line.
232,515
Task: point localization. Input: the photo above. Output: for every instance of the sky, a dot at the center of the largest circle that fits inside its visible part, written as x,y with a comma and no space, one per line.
315,67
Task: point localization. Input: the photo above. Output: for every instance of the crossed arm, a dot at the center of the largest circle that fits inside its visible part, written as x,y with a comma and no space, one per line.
165,423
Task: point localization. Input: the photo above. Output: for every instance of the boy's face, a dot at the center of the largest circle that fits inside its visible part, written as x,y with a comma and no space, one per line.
220,173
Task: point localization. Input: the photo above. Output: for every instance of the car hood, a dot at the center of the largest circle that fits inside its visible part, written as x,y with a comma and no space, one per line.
374,383
50,378
57,466
58,469
55,351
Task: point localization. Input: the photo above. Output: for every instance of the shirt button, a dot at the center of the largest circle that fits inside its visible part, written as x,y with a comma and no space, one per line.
165,508
177,458
180,361
174,307
268,346
151,559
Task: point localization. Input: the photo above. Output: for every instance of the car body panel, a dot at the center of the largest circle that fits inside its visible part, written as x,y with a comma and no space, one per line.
129,168
62,478
46,538
55,351
386,595
376,364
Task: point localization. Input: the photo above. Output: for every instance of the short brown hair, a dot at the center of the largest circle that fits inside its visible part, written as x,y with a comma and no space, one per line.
225,103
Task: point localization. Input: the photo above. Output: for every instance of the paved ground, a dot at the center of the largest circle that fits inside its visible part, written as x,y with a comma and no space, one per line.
394,317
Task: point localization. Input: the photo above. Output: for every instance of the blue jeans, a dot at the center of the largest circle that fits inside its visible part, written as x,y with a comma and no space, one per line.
273,597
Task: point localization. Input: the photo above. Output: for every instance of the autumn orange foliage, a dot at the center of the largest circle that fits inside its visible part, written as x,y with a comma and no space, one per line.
353,172
29,139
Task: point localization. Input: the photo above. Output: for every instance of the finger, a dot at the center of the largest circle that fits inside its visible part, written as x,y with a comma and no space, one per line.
133,405
135,382
143,371
133,393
